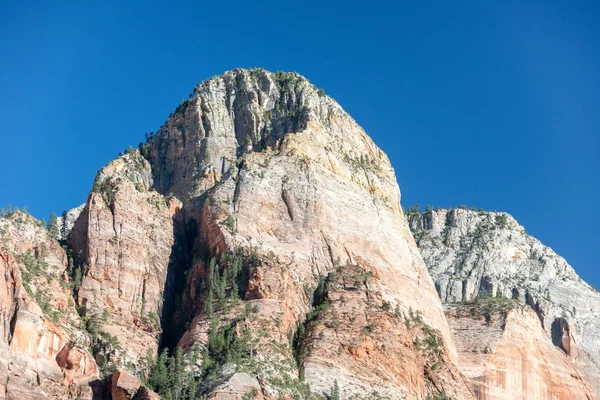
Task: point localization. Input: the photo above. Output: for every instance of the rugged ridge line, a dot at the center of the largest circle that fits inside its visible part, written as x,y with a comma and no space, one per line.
478,254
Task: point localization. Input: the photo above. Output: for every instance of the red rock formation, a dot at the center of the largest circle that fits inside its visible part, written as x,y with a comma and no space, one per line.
305,197
506,354
124,237
124,386
39,322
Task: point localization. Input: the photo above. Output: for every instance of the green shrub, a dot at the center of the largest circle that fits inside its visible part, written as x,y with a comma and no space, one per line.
502,220
52,226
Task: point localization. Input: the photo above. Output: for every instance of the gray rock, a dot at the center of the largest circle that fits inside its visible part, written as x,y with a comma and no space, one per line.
67,221
479,254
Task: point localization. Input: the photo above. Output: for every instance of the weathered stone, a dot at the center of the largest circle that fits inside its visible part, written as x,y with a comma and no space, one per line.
506,354
67,221
474,254
236,387
123,240
330,291
288,174
38,314
146,394
124,385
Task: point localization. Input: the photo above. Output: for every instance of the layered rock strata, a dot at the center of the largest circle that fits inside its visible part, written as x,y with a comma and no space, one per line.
43,353
479,254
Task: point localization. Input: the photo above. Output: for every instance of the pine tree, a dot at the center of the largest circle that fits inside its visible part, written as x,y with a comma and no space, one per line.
335,391
70,267
208,304
77,279
223,288
321,292
52,226
159,378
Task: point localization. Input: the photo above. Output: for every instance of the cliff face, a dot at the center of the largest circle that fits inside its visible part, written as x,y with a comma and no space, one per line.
42,350
258,235
276,172
122,241
507,355
477,254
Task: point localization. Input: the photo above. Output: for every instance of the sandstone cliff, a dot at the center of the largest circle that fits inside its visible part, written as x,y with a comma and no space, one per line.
506,354
258,236
42,349
276,172
478,254
122,242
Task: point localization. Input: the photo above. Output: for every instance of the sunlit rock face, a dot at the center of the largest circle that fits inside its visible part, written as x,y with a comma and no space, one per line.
123,240
505,353
268,165
42,349
478,254
259,236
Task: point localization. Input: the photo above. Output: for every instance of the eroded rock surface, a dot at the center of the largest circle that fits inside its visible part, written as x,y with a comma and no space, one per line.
478,254
272,168
67,221
506,354
260,233
42,350
122,241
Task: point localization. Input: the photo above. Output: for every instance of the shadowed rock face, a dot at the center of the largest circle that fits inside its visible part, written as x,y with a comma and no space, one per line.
473,254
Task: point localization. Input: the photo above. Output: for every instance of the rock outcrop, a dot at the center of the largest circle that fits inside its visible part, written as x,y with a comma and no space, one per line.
66,222
277,173
506,354
258,236
479,254
42,350
122,241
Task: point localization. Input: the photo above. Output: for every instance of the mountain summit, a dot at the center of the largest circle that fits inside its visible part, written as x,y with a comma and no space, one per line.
253,247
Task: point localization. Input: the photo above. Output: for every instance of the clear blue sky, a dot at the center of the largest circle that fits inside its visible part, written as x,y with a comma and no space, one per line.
496,106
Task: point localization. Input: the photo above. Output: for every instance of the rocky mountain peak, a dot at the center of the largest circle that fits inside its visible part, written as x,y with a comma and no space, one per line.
257,243
245,111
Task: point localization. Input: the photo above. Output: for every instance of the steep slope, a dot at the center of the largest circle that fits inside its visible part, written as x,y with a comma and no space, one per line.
43,351
122,242
290,262
507,355
478,254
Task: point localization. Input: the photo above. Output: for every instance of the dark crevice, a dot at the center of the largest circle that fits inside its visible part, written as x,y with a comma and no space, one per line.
535,306
13,322
561,335
287,202
173,315
515,293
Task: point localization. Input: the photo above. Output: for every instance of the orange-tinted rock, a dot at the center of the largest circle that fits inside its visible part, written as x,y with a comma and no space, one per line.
146,394
124,385
38,314
305,195
506,354
77,364
124,237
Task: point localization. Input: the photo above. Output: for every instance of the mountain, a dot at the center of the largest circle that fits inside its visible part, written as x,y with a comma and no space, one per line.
254,247
479,256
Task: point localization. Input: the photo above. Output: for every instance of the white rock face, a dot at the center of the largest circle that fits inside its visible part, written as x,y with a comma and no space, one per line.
269,164
479,254
66,222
